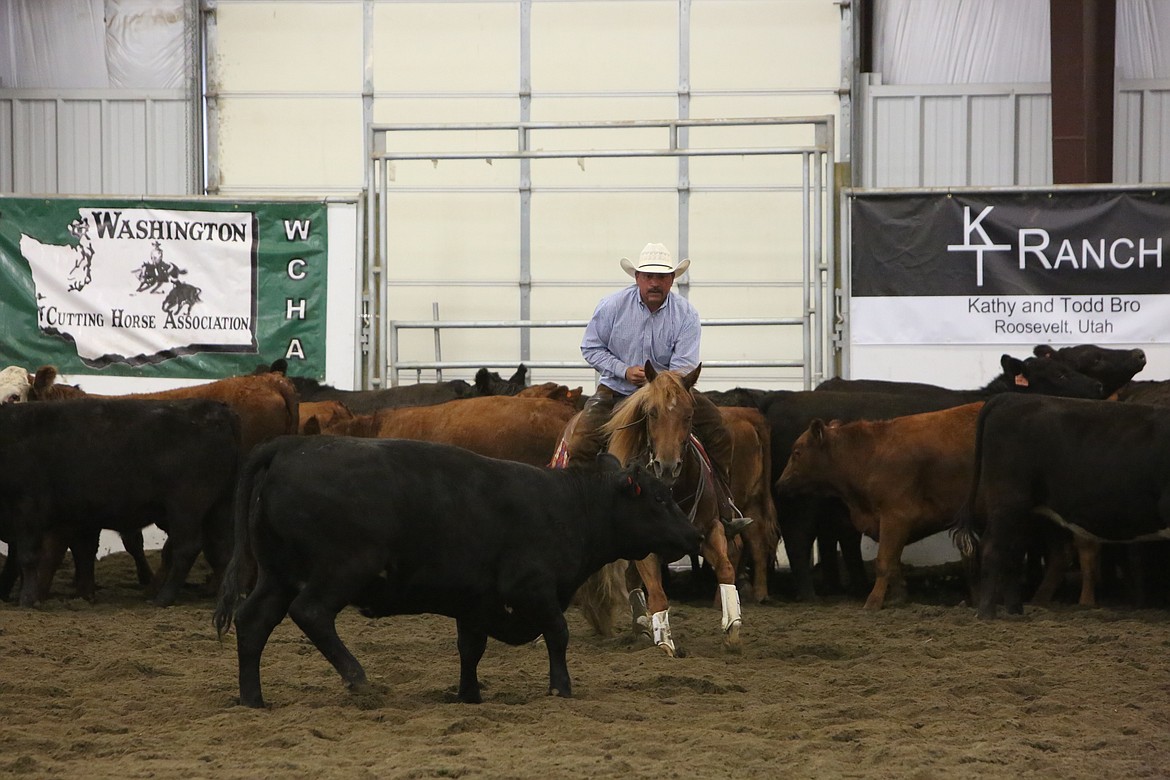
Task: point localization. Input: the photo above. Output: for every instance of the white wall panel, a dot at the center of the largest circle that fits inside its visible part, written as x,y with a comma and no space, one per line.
428,47
127,137
764,45
290,144
1034,122
607,46
287,47
944,140
79,150
6,142
993,139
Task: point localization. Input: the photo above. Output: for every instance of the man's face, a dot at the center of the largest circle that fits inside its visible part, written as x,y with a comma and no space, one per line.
653,288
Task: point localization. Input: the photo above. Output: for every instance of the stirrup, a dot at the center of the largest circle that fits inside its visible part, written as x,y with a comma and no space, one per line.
735,525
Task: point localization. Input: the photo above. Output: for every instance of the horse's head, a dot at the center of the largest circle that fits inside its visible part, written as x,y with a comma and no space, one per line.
656,421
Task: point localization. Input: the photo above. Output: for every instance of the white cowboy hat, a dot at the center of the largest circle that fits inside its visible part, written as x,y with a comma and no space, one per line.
655,259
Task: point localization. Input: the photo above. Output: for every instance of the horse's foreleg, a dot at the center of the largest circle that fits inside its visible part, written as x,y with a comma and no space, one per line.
714,550
650,569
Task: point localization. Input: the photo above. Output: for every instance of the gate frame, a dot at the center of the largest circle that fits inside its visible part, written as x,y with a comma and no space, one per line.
819,202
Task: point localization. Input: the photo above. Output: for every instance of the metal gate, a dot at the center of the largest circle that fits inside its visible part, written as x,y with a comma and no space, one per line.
808,347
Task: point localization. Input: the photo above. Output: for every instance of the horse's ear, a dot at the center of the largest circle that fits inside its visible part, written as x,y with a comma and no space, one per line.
690,379
650,372
608,462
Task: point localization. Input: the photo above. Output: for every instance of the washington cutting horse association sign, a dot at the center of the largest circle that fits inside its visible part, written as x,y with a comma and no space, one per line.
185,288
1011,267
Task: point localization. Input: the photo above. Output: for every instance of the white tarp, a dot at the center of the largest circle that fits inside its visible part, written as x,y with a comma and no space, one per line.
94,44
1002,41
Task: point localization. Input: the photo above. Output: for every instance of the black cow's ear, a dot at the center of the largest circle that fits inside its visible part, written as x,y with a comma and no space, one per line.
1010,365
1044,351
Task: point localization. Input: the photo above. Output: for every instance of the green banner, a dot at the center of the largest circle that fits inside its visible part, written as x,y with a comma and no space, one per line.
196,289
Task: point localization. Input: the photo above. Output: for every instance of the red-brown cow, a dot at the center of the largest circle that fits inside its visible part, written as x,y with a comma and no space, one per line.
902,479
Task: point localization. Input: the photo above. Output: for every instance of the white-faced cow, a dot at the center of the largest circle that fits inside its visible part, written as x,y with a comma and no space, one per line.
90,464
1100,469
14,385
404,527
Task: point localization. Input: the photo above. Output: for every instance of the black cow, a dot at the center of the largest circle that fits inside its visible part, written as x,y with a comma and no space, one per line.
1032,375
1112,367
497,545
78,466
491,383
1100,469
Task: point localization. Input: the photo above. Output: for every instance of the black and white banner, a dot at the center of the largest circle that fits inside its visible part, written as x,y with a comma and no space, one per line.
1021,267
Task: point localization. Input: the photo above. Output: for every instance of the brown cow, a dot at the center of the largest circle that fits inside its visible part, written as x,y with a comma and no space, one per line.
267,405
751,472
902,479
556,392
499,426
325,413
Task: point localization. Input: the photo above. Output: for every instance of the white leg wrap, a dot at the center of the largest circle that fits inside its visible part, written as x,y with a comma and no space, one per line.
661,624
729,596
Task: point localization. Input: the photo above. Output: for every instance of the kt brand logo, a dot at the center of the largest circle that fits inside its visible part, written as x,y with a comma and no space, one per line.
975,226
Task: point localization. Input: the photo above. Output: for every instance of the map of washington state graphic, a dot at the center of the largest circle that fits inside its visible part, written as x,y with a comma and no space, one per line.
140,285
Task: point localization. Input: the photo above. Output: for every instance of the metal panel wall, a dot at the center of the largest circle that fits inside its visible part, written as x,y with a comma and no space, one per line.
955,135
97,142
1141,138
998,134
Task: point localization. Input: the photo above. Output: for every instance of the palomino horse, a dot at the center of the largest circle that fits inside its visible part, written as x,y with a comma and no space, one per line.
653,425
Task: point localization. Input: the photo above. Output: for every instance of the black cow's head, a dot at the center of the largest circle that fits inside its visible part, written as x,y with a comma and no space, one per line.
1048,377
1112,367
649,520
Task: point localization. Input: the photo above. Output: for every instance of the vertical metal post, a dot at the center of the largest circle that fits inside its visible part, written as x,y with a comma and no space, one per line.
438,341
525,178
381,275
806,265
680,139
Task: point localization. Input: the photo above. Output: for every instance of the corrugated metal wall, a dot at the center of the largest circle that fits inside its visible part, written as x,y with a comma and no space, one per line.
104,142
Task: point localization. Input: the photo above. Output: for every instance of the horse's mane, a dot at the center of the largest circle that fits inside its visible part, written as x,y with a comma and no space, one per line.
626,429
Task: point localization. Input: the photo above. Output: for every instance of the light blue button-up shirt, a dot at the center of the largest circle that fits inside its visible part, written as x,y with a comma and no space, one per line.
623,333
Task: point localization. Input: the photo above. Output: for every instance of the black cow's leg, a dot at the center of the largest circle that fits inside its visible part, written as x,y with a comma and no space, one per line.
8,574
136,547
556,639
185,543
472,643
28,550
53,547
990,570
797,528
84,545
258,615
315,610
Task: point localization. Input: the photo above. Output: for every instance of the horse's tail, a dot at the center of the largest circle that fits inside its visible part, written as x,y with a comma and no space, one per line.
603,598
247,515
966,528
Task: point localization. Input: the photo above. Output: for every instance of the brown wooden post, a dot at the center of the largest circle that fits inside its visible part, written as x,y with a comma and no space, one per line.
1082,60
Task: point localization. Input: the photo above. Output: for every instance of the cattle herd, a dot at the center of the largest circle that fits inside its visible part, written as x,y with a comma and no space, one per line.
439,498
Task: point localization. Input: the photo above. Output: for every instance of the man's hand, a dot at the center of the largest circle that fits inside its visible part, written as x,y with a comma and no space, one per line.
636,375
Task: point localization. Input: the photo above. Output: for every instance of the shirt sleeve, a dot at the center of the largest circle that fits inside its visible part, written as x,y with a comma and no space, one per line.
595,344
686,348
